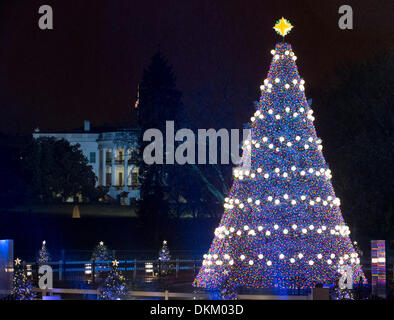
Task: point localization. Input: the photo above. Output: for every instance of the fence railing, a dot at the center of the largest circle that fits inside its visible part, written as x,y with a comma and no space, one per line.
80,270
166,295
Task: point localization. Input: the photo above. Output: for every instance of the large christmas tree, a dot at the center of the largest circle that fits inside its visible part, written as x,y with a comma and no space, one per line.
282,225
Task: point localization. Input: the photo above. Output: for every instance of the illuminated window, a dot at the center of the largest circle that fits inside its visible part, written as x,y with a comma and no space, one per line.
92,157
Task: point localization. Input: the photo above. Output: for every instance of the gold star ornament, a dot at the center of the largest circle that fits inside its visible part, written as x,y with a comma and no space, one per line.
17,261
115,263
283,27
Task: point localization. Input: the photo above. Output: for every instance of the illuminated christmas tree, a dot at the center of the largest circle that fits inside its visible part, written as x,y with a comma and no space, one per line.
114,287
100,252
164,260
43,255
282,226
22,287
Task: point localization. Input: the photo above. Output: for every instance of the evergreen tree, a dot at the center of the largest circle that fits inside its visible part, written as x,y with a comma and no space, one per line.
282,225
43,255
55,169
100,252
159,101
22,287
164,260
114,287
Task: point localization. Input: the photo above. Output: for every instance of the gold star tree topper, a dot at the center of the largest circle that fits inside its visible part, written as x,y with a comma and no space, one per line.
283,27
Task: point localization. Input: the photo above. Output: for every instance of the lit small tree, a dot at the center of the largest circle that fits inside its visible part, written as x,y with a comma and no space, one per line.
22,287
114,287
43,255
164,260
100,252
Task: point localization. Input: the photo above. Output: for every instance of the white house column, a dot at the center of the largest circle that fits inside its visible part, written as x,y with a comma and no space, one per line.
104,167
125,168
113,167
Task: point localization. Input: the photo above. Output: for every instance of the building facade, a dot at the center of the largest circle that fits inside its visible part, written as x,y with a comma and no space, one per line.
113,155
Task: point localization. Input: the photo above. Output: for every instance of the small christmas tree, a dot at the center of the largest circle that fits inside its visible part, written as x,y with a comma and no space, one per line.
43,255
100,252
164,260
114,287
22,287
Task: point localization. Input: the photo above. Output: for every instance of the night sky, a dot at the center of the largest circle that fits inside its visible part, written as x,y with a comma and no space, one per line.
89,66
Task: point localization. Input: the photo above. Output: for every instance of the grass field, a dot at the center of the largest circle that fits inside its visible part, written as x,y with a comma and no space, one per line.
86,210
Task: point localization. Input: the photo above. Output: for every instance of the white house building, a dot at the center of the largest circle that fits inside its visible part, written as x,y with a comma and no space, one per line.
112,153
